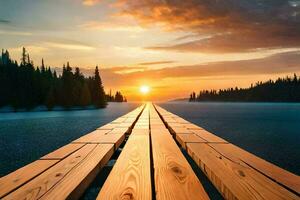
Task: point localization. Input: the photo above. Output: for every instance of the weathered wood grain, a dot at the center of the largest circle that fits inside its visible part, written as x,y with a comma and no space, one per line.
73,185
62,152
130,177
35,179
174,178
19,177
209,137
94,135
235,172
37,187
235,180
116,139
278,174
183,139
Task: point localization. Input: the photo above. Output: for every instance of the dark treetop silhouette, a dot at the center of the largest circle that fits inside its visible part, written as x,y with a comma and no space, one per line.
282,90
26,86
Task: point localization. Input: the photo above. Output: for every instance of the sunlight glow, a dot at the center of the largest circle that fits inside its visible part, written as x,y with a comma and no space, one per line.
144,89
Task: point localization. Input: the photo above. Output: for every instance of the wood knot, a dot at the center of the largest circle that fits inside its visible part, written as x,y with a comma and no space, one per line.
58,174
16,180
177,170
241,173
128,194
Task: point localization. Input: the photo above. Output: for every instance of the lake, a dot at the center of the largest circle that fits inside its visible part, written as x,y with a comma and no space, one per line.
268,130
26,136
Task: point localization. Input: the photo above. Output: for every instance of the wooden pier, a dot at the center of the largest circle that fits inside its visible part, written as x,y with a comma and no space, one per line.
151,165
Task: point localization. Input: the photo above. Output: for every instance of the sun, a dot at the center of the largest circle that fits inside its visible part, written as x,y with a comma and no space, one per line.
144,89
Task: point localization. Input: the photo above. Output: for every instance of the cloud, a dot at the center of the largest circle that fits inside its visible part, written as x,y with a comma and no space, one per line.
230,44
287,62
16,33
233,25
69,46
157,62
111,26
125,70
4,21
90,2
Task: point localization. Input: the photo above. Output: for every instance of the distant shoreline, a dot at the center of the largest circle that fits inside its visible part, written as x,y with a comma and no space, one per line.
42,108
187,101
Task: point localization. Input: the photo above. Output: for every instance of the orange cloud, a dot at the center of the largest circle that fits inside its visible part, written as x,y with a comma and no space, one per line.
236,25
157,62
111,26
90,2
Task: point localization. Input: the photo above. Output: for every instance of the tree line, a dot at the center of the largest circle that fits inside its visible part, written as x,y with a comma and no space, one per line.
26,86
118,97
281,90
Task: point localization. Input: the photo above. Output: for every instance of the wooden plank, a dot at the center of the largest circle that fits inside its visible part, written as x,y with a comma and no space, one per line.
73,185
174,178
161,131
175,125
169,120
34,172
235,180
157,126
181,120
124,125
278,174
62,152
141,127
119,120
178,130
234,154
192,126
209,137
19,177
37,187
140,131
116,139
183,139
109,126
130,177
119,131
92,135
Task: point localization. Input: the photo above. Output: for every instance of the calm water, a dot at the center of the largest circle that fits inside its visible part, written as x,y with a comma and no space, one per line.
25,137
269,130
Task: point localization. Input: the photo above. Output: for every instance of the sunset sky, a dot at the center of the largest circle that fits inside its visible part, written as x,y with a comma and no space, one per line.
174,46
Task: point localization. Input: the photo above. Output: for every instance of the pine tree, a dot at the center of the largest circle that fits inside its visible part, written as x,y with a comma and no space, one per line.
85,96
23,58
24,86
43,69
98,92
50,100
